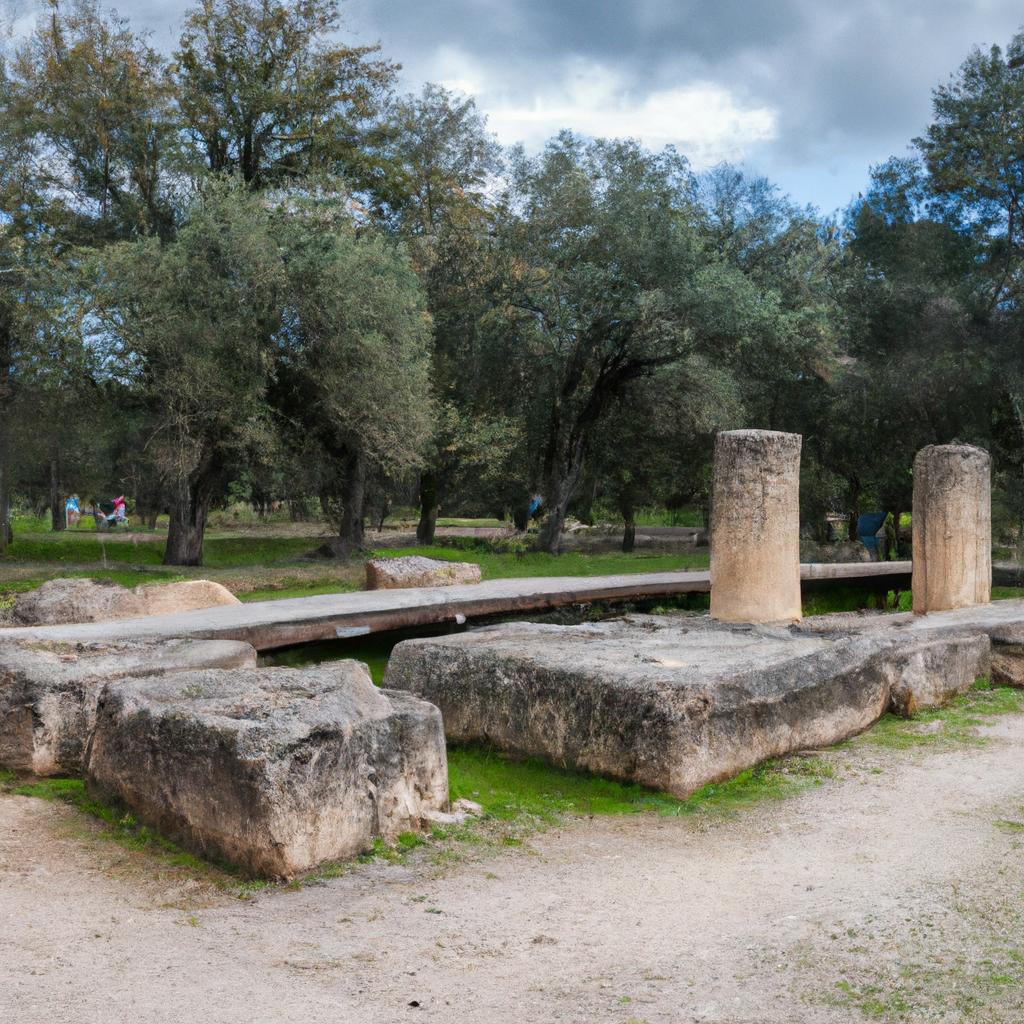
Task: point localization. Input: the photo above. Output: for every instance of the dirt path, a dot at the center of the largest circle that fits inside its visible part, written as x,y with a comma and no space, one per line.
894,892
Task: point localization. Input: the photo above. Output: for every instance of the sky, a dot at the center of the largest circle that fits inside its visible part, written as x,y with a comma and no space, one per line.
810,93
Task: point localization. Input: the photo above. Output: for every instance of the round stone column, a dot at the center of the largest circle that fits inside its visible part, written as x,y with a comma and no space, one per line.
755,527
952,528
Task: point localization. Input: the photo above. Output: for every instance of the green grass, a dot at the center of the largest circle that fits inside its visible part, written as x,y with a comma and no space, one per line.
531,789
506,565
953,724
218,552
279,593
850,599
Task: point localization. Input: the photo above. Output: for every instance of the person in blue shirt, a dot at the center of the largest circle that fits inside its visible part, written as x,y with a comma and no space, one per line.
72,510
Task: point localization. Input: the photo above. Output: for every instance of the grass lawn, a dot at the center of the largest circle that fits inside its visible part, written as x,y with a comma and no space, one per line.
259,565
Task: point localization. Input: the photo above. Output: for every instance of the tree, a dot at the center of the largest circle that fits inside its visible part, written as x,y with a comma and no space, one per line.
974,155
599,248
654,447
191,322
352,358
265,90
88,102
441,160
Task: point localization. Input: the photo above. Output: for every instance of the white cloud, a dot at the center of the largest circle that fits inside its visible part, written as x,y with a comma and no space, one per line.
703,119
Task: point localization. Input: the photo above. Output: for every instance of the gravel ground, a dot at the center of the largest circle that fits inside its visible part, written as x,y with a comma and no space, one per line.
893,892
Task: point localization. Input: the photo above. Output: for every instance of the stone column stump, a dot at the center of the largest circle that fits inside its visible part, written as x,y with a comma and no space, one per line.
952,528
755,527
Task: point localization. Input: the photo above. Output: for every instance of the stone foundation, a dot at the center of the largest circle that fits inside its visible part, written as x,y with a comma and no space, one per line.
676,702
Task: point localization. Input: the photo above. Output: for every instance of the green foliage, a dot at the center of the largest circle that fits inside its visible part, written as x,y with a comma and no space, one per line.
267,91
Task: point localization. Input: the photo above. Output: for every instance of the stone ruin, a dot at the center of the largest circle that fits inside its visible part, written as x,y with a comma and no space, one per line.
679,702
278,770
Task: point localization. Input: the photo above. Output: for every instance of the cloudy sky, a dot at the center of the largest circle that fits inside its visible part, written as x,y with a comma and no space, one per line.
808,92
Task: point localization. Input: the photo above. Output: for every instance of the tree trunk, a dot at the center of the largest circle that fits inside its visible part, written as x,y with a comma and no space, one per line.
5,507
427,526
190,508
352,531
629,518
58,510
562,482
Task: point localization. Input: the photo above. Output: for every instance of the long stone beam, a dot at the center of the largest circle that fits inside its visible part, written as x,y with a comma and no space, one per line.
271,624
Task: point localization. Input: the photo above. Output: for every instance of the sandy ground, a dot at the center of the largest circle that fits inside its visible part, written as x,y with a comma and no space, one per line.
891,892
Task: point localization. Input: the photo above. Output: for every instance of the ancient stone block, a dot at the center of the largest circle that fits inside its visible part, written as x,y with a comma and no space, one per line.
1008,665
952,528
670,702
927,671
84,600
276,770
48,690
416,571
755,527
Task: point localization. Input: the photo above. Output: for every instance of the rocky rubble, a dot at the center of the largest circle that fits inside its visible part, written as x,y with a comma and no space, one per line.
417,571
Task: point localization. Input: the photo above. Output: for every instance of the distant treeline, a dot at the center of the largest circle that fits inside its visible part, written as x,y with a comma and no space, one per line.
253,270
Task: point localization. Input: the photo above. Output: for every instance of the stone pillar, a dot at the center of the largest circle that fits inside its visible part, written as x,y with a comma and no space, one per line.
755,527
952,528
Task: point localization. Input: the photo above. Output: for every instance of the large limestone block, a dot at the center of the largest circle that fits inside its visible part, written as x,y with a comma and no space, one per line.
952,528
417,571
184,596
276,770
48,691
84,600
75,600
673,703
755,527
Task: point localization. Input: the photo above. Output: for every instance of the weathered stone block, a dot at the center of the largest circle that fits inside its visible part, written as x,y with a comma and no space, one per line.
673,703
927,671
417,571
276,770
48,691
1008,665
85,600
677,702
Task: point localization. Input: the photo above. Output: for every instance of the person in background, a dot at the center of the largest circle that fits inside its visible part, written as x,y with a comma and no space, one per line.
72,510
120,513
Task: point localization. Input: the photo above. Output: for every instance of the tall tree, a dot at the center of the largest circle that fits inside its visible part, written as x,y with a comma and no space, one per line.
352,356
192,321
88,101
265,90
441,163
